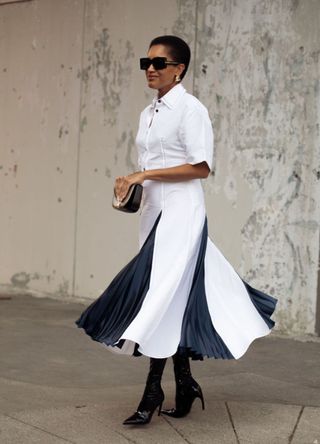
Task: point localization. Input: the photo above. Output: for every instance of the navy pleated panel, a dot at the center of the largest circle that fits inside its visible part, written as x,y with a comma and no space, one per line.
108,316
198,335
264,303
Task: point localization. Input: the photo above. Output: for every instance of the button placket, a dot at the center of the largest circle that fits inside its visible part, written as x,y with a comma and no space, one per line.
148,135
154,110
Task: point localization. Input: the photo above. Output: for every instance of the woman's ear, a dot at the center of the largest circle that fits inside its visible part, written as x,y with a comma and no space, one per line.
180,68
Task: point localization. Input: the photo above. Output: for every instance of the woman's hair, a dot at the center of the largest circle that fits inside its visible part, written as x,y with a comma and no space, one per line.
178,49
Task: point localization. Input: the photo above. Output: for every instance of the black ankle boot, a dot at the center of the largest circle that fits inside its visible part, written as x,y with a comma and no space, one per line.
153,395
187,389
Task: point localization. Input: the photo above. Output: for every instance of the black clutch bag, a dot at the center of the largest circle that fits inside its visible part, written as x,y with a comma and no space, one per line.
131,203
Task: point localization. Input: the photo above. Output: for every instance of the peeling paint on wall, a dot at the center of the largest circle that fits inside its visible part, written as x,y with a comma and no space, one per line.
258,81
63,289
20,279
23,279
127,142
62,131
83,123
111,73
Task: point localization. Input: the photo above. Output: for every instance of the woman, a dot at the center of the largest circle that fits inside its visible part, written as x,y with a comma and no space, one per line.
178,296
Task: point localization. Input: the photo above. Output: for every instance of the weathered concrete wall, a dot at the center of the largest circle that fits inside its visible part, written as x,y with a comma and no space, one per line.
258,72
40,55
71,94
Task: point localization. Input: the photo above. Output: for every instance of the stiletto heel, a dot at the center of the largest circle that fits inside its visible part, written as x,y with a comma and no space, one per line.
187,389
200,395
186,394
160,407
202,400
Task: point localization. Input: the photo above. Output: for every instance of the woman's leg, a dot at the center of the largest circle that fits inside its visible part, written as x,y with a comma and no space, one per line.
181,366
153,395
187,389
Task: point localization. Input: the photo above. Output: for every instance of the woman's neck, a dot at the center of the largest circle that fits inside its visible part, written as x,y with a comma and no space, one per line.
163,91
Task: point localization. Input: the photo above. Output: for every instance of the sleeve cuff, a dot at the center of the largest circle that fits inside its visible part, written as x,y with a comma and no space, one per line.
200,157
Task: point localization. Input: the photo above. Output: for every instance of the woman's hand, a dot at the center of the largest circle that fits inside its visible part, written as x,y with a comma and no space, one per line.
123,183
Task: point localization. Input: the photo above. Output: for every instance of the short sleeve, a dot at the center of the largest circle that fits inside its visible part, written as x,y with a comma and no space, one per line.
197,135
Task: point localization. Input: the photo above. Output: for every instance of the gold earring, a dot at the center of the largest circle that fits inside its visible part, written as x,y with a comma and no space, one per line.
177,79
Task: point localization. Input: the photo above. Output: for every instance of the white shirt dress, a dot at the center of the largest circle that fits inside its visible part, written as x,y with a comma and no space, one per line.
179,293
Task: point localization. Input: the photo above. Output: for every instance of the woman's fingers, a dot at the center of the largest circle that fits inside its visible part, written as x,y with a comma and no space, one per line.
121,187
124,191
123,183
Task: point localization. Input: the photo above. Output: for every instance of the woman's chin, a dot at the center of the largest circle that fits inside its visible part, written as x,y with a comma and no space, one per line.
152,84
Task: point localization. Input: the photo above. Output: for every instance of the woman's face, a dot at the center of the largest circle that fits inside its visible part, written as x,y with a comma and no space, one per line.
163,79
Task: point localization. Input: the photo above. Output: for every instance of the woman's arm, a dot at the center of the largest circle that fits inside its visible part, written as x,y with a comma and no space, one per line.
171,174
178,173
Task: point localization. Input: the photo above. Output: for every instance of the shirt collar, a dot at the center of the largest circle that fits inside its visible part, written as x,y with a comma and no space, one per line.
172,96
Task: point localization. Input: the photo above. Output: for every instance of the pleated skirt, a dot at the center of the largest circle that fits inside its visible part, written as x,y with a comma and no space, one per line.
179,293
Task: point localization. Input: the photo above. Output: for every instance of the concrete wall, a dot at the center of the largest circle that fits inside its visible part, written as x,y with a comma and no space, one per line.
71,94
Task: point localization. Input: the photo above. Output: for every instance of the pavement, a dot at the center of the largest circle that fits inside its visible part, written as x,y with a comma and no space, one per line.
58,386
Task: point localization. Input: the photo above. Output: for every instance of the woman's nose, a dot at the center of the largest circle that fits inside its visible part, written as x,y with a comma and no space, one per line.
151,68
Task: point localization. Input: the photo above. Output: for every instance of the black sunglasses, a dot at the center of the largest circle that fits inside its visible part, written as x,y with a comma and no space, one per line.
157,62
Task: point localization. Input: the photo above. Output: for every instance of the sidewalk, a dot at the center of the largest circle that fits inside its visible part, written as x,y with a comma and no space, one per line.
58,386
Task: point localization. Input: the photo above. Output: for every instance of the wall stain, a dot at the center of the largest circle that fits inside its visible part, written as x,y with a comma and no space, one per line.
119,144
63,288
83,123
62,131
130,146
111,69
294,5
127,139
184,23
269,90
20,279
